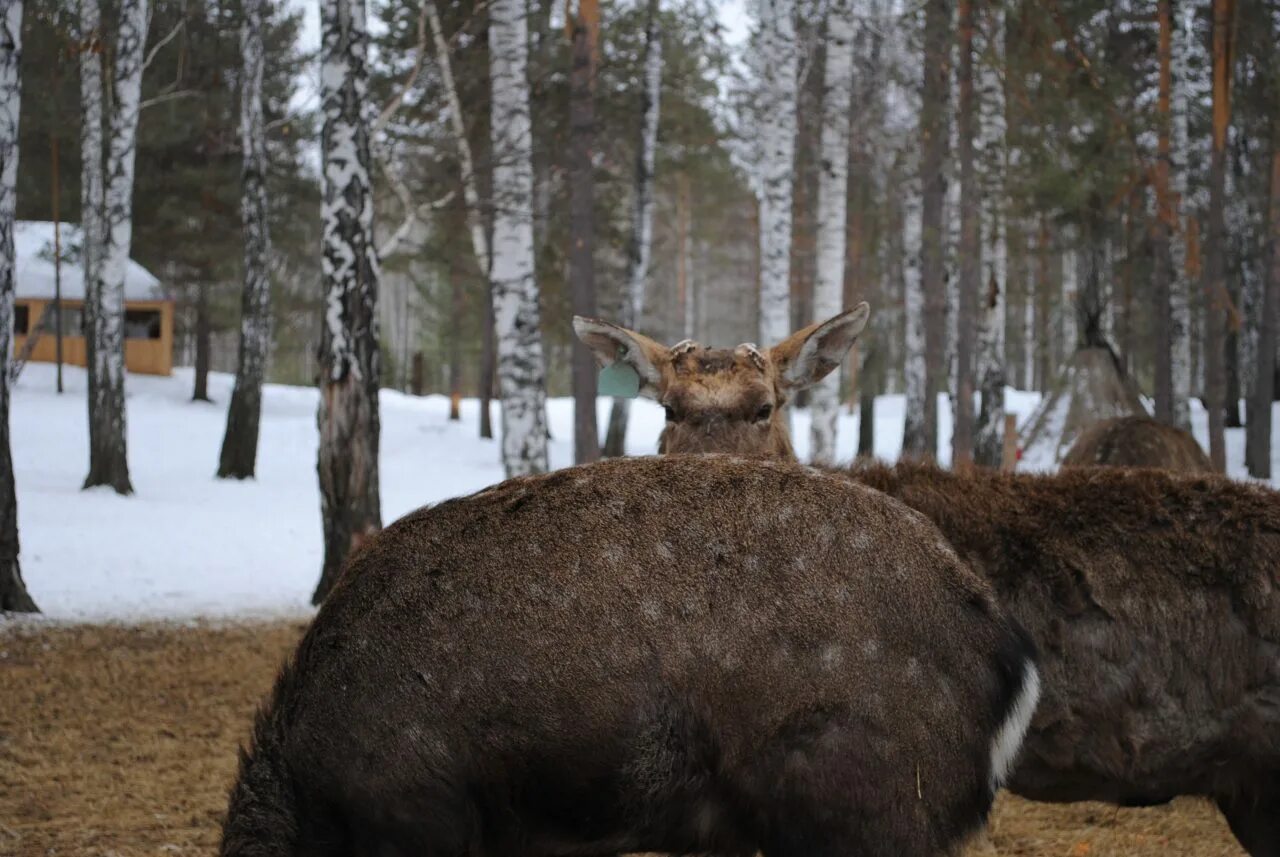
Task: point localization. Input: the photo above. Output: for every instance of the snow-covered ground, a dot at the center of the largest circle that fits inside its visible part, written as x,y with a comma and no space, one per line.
188,545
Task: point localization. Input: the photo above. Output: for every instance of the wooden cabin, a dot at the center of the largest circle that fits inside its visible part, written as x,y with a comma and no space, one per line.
148,313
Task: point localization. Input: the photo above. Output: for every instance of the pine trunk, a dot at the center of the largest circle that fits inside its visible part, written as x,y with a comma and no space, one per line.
456,311
833,195
13,591
238,457
200,387
934,144
1215,381
777,111
641,243
108,458
521,374
349,360
1166,223
488,365
582,286
988,444
970,244
1258,440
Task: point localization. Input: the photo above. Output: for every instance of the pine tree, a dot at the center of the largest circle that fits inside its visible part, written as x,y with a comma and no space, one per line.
585,27
349,356
970,244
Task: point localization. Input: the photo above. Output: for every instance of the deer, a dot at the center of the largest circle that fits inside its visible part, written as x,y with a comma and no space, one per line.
726,398
1137,441
690,654
1152,596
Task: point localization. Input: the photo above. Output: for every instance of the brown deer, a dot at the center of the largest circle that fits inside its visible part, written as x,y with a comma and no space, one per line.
1154,599
1137,442
726,398
686,655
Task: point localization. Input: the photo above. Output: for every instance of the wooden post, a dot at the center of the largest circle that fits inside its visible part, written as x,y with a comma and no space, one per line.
418,373
57,261
1009,453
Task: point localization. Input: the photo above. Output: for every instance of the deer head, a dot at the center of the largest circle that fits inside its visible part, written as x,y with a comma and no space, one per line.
726,399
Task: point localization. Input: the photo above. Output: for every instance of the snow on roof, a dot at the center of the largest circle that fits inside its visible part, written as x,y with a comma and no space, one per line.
33,247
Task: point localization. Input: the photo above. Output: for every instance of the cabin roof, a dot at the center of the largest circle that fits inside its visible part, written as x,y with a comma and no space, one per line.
34,274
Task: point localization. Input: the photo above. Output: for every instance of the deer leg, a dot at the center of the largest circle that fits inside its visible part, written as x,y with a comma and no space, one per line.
1255,821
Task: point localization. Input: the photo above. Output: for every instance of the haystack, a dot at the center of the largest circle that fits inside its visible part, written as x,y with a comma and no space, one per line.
1092,387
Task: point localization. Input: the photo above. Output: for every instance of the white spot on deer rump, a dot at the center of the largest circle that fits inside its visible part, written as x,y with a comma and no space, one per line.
1008,740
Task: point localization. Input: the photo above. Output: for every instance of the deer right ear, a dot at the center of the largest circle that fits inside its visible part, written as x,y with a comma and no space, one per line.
807,356
611,344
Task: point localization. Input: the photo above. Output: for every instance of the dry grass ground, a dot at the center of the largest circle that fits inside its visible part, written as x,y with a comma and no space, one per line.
120,742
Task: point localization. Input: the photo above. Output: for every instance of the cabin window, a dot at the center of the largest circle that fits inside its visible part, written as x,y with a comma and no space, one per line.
21,319
142,324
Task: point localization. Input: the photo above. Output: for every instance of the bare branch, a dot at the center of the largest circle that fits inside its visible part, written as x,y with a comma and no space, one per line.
413,214
160,44
168,96
420,52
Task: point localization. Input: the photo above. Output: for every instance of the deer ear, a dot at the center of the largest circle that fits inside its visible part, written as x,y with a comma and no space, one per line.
807,356
612,344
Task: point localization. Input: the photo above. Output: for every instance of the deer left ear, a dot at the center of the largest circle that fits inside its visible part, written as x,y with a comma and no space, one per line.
807,356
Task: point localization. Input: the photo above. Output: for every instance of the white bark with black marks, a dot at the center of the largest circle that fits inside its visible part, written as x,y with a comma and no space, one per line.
914,435
349,358
521,373
108,459
777,132
13,592
990,371
89,50
833,194
1179,281
240,444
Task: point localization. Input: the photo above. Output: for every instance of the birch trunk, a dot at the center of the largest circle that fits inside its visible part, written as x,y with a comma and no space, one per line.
1215,273
1258,440
582,285
1179,273
991,370
521,374
108,459
833,195
13,591
969,248
349,360
91,186
915,440
240,443
1070,253
641,244
934,138
777,106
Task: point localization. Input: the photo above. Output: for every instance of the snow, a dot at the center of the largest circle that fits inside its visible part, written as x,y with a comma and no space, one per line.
33,246
187,545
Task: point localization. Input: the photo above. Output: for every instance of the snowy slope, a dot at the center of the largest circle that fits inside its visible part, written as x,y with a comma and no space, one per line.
187,544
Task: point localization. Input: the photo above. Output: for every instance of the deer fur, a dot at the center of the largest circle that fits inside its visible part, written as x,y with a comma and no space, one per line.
690,654
1154,600
726,398
1137,442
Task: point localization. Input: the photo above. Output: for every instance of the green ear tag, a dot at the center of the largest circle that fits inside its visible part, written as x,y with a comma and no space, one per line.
619,380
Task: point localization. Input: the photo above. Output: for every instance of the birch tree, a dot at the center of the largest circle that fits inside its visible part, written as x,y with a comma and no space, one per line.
349,360
915,440
108,459
521,373
988,443
777,110
1179,277
833,194
13,592
89,50
585,27
641,243
240,443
